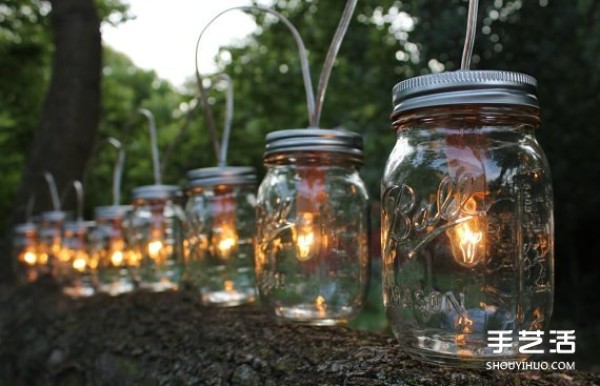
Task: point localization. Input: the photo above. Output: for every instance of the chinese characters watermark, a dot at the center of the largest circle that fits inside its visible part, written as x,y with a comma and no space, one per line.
563,341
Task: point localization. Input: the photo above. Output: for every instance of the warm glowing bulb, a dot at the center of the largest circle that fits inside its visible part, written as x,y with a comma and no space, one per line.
79,263
467,242
154,249
228,285
116,258
226,244
320,305
225,240
305,242
305,237
29,258
43,258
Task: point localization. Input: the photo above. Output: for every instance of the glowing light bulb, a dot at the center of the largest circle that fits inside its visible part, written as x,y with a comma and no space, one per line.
320,305
229,286
225,238
306,237
224,241
116,258
467,241
29,257
310,239
79,263
154,249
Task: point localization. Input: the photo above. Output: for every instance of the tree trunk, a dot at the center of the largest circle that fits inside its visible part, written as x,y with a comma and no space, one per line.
171,339
70,113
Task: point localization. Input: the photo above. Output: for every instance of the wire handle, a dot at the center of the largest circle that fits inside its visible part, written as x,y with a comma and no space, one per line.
154,144
465,62
334,48
53,190
305,67
228,118
118,169
78,186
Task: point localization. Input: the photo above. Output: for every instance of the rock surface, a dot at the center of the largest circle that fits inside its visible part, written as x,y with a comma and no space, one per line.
171,339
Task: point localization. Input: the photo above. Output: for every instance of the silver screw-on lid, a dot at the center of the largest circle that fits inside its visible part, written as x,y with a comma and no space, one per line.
225,175
24,228
313,139
54,216
78,226
156,192
111,211
465,88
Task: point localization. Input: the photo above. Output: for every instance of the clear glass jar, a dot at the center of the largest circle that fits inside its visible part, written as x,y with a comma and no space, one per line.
110,249
221,217
50,238
27,254
157,237
467,217
75,268
312,251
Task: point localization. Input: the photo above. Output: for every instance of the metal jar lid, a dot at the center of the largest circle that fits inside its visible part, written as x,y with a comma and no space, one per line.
78,226
54,216
225,175
156,192
25,228
313,139
111,212
465,88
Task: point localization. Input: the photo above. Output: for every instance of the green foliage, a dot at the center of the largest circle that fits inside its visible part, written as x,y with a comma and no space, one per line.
24,73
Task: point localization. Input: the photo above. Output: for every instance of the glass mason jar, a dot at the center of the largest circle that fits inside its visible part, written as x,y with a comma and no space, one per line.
467,224
50,238
221,218
75,268
26,252
312,251
109,248
156,236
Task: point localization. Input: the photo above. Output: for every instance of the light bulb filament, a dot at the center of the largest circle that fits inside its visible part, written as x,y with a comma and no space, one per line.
305,242
468,241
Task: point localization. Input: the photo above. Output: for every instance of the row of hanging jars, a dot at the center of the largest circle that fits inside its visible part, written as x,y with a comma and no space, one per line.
467,228
312,249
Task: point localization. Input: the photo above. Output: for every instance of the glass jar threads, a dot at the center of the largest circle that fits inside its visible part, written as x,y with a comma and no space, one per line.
312,258
27,254
221,217
157,237
467,224
109,247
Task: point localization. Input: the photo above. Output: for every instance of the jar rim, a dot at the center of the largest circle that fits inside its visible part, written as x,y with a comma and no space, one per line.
465,87
314,140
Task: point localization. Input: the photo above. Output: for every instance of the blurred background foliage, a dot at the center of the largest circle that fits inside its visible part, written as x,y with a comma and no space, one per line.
558,42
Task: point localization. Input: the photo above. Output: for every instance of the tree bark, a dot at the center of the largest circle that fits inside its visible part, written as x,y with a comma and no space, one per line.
171,339
70,113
